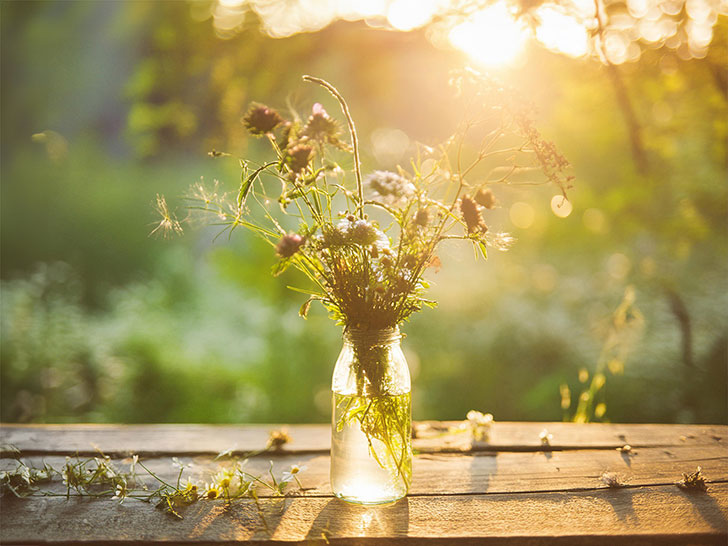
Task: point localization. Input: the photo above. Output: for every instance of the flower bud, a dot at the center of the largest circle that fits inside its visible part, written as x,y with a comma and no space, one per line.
289,245
299,157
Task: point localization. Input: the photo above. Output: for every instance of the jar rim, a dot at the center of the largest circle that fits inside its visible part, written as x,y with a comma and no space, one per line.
372,337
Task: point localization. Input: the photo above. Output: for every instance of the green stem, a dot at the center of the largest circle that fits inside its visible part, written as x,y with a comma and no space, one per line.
354,139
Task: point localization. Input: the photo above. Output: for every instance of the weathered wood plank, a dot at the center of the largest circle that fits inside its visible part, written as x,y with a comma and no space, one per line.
648,515
437,474
430,438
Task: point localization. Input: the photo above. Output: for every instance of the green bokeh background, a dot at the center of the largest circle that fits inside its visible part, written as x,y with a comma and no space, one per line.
102,323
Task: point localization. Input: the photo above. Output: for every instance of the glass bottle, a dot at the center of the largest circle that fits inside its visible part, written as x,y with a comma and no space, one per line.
371,430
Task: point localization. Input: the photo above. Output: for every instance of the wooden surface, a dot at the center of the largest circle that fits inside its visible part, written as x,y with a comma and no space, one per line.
511,489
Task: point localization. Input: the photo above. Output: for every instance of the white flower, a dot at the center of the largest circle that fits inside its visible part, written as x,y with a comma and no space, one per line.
389,188
545,437
121,492
479,425
132,466
177,463
290,474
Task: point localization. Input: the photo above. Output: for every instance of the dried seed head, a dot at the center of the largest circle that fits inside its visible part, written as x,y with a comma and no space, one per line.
410,261
611,479
486,198
260,119
277,439
471,214
422,218
695,481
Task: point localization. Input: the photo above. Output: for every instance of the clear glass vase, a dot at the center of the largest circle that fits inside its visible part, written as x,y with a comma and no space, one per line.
371,430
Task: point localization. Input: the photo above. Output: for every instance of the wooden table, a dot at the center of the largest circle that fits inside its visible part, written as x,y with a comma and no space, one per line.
512,489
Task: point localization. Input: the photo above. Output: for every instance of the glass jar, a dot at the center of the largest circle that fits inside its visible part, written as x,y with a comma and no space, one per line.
371,429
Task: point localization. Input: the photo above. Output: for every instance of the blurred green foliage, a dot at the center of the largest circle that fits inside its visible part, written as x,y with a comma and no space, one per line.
102,323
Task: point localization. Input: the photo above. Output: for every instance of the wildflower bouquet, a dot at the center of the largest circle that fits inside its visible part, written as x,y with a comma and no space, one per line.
365,244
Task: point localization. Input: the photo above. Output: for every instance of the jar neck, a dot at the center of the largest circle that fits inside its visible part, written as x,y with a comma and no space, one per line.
372,338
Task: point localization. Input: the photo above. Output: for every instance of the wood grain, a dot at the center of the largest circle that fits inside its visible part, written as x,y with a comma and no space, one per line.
438,474
511,489
662,514
431,438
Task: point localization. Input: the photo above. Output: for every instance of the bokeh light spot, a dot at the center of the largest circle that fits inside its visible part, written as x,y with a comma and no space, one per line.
522,215
561,206
618,266
595,220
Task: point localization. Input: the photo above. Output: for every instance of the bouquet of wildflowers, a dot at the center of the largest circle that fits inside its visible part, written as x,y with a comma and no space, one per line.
366,243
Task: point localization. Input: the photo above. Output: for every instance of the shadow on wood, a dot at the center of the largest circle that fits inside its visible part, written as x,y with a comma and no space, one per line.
340,519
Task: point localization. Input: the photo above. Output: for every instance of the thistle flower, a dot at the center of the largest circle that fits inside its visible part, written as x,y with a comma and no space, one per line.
333,237
389,188
289,245
320,126
298,157
485,198
260,119
471,214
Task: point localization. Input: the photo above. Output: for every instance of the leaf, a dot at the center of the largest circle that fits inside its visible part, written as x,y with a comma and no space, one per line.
280,267
303,311
247,182
483,249
319,295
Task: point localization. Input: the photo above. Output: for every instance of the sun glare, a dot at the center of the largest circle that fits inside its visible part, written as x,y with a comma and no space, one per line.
562,33
409,14
491,37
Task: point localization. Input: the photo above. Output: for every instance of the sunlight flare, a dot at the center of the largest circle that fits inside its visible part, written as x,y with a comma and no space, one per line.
492,37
